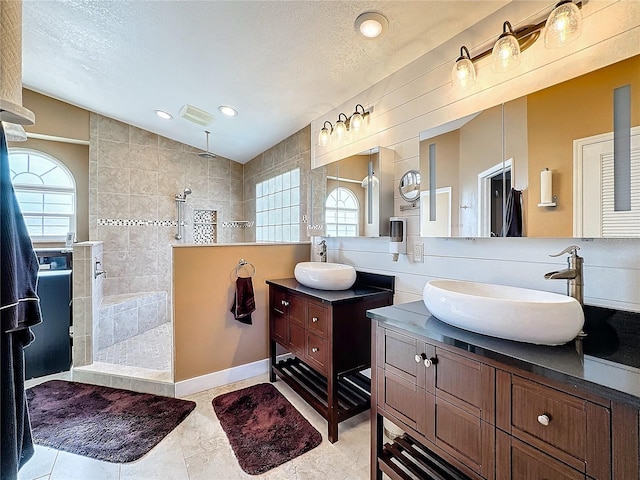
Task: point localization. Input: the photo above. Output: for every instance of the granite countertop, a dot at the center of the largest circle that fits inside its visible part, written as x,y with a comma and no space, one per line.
608,366
358,291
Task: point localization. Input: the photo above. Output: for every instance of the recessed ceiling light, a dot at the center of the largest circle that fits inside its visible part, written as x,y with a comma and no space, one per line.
228,111
371,24
163,114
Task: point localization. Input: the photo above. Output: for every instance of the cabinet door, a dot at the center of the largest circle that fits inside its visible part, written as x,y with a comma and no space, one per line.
407,402
317,353
466,383
518,461
317,319
465,437
279,323
296,309
405,357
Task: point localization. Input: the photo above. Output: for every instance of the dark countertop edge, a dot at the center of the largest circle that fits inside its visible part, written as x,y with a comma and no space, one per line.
536,359
333,297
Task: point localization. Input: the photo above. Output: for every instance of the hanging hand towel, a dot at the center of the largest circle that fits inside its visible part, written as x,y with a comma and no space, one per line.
244,301
514,214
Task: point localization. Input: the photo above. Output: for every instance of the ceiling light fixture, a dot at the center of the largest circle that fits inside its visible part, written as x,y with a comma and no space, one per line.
228,111
563,25
164,115
371,24
344,124
14,132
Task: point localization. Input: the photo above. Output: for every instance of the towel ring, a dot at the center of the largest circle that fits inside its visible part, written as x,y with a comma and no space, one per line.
241,263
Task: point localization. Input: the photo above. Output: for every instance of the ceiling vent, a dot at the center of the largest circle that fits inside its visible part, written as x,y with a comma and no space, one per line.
196,115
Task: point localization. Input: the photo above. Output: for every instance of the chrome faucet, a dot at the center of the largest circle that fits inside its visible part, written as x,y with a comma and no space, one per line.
323,251
573,274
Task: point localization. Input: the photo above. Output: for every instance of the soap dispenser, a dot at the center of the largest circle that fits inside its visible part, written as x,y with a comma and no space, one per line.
398,240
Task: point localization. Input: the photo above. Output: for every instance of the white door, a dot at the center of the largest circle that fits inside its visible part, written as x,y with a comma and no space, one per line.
593,189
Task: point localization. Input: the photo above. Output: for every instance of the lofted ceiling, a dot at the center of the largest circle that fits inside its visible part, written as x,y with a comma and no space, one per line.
281,64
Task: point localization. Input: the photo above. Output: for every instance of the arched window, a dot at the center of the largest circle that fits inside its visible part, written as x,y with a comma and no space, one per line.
342,213
46,192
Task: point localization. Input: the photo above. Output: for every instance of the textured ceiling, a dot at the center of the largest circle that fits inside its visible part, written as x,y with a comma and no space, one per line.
280,64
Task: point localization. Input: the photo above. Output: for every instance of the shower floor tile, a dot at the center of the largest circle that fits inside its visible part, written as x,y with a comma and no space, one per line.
151,349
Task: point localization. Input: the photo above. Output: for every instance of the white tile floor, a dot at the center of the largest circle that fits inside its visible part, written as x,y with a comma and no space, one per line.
198,449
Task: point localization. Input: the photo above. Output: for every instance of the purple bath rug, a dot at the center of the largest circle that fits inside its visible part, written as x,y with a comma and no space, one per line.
104,423
264,429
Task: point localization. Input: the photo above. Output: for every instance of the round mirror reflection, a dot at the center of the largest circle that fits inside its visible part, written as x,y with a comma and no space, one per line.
409,186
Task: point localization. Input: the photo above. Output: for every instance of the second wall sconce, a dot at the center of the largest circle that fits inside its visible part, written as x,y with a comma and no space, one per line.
344,124
562,26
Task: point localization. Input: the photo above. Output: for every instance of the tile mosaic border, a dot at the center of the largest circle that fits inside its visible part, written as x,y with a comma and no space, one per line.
121,222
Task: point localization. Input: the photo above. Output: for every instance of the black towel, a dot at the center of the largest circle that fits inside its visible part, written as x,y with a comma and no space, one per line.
243,300
19,310
514,214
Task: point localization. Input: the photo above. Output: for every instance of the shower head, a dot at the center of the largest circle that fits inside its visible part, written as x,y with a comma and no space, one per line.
207,154
186,191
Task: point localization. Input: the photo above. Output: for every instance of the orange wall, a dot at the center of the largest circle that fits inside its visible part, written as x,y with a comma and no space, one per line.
578,108
207,338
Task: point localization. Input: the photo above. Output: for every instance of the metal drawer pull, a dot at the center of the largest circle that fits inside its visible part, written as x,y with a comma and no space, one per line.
314,319
285,303
418,358
314,349
428,362
544,419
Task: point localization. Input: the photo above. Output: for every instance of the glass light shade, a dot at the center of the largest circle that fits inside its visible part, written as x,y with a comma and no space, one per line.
563,26
506,53
323,137
340,129
14,132
463,74
355,124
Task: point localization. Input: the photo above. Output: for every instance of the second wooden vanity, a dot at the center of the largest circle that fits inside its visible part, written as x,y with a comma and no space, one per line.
327,334
477,407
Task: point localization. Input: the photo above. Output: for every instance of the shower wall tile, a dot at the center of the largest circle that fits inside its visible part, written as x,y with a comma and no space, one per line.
148,317
93,125
164,142
113,180
111,129
172,161
93,201
146,283
144,237
166,208
219,167
105,331
143,182
236,171
143,262
125,325
118,263
143,207
197,167
113,154
219,189
169,184
114,238
113,205
199,186
143,157
116,286
137,136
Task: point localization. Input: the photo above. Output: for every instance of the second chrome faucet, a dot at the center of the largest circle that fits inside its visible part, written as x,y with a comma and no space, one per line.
572,274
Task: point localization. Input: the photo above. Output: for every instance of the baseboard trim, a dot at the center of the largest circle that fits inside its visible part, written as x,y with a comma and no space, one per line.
223,377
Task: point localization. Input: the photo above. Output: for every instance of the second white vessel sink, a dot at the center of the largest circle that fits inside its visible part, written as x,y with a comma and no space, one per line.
325,275
512,313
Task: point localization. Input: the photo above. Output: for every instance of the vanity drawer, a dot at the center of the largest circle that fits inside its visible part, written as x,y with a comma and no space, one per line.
317,320
552,416
317,351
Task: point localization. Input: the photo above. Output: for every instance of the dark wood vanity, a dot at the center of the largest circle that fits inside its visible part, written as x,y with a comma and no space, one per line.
327,335
476,407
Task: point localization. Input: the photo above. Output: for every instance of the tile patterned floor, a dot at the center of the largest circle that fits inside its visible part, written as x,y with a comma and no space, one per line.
151,349
198,449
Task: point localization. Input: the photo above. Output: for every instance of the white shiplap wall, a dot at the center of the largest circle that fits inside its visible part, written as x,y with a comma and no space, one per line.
419,97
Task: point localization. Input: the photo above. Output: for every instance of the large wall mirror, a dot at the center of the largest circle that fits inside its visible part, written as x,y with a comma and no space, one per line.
482,173
353,197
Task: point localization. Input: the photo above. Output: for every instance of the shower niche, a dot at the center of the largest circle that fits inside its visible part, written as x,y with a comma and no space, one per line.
205,226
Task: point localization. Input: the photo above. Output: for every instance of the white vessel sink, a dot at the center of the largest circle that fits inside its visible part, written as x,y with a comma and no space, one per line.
512,313
325,275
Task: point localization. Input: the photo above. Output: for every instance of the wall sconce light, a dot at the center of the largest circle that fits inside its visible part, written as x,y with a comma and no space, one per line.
325,134
563,25
506,51
344,124
340,128
464,73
